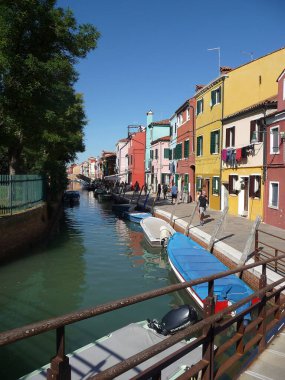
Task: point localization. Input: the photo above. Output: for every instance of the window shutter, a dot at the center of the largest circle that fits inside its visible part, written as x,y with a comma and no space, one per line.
228,137
252,129
151,154
218,141
251,186
213,98
219,95
166,153
186,148
212,145
233,136
170,154
260,131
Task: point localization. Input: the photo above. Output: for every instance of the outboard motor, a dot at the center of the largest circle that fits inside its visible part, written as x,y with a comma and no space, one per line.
175,320
164,236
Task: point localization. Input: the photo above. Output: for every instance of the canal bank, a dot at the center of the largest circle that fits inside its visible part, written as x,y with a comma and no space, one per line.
231,241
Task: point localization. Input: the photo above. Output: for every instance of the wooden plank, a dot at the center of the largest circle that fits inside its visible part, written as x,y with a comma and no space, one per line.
217,229
249,242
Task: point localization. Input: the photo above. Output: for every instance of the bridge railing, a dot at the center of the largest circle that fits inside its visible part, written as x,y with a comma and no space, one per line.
264,250
266,313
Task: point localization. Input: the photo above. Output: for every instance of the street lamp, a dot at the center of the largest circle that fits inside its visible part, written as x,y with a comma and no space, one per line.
219,55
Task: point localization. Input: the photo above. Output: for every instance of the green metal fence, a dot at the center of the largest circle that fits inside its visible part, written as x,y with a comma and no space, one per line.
20,192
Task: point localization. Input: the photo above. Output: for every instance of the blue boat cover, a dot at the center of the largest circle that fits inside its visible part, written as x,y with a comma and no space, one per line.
193,261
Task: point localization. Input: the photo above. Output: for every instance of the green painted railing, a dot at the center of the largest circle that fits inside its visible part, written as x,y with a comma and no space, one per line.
20,192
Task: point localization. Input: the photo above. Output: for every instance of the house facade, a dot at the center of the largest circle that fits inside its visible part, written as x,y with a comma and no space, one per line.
122,148
249,93
185,149
159,154
172,146
209,114
136,157
154,131
274,200
242,160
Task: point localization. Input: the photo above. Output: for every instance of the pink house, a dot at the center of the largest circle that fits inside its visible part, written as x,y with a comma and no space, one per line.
274,200
159,155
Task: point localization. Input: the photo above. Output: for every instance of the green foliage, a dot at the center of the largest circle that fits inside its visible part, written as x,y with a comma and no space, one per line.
41,117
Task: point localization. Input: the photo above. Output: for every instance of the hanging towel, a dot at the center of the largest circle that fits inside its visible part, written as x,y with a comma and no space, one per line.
238,154
224,155
244,152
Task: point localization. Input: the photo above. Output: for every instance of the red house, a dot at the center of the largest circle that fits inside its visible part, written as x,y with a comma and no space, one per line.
136,158
274,199
184,151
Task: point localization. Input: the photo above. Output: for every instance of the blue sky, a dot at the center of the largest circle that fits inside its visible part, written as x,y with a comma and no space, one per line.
152,53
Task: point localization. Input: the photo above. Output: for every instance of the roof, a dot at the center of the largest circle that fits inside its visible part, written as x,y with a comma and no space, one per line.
267,103
210,85
183,106
161,122
281,75
122,140
164,138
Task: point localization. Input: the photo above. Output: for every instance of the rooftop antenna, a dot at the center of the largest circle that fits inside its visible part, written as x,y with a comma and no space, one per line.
219,55
250,53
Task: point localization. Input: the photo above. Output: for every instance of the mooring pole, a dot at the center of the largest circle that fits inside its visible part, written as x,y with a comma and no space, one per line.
217,230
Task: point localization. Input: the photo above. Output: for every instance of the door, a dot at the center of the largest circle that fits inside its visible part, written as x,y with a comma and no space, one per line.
225,196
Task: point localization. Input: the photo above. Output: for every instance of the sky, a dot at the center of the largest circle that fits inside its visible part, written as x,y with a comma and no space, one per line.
152,53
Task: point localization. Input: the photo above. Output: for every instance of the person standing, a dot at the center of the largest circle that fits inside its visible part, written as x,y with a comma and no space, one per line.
164,189
174,192
158,191
203,201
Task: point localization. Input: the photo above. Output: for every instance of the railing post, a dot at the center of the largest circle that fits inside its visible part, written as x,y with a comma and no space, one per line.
59,366
208,346
256,246
239,343
276,262
262,311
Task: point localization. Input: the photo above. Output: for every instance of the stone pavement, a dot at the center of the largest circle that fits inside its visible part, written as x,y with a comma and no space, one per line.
235,230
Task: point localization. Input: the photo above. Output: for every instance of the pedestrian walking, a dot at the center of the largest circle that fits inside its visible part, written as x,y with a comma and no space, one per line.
158,191
202,205
174,191
164,189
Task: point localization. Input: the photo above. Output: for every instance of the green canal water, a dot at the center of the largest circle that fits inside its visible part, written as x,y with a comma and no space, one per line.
94,258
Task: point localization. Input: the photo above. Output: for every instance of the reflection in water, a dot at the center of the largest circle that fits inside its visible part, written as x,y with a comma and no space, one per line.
95,258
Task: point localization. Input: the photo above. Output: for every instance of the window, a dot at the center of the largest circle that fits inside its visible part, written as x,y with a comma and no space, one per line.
170,154
151,154
254,186
187,114
180,119
166,153
273,194
233,179
178,152
216,185
186,149
156,154
200,106
215,142
230,137
199,184
215,96
199,145
274,140
186,179
256,134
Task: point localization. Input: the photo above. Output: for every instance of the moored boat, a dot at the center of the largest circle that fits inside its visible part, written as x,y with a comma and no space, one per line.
190,261
156,231
71,196
130,340
136,216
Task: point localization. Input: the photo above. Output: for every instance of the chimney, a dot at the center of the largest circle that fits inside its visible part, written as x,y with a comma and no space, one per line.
149,117
225,69
199,87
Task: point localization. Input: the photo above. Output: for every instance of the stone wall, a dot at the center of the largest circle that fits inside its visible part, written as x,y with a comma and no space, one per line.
21,232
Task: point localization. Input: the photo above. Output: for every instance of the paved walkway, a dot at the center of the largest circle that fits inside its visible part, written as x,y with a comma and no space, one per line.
270,365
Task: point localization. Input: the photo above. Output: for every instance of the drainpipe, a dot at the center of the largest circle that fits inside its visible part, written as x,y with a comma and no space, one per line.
221,145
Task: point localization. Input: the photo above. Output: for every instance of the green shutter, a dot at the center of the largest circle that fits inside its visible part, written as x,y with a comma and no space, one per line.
212,146
186,149
166,153
170,154
186,179
213,97
151,154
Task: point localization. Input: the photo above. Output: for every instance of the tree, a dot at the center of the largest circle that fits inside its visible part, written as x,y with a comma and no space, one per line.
41,116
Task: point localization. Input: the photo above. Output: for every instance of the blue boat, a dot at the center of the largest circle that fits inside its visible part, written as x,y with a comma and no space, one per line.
190,261
136,216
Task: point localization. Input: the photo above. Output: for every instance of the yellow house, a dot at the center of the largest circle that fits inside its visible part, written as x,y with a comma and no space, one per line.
249,95
209,114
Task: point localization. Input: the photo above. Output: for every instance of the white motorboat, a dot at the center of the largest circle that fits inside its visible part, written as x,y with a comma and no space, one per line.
156,231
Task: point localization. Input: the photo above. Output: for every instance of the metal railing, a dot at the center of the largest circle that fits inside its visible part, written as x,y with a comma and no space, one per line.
264,250
268,309
20,192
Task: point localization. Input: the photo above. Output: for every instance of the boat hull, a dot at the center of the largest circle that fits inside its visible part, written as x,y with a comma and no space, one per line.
151,227
190,261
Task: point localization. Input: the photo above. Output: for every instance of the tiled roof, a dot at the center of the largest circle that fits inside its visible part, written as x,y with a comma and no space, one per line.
164,138
161,122
269,103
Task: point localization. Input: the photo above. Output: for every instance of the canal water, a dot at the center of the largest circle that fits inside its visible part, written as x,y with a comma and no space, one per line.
95,257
